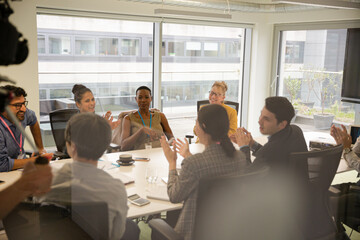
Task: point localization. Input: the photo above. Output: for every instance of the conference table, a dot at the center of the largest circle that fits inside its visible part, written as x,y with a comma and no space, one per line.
135,173
158,165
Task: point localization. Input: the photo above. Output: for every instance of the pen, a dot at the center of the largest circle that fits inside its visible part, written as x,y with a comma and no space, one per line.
141,159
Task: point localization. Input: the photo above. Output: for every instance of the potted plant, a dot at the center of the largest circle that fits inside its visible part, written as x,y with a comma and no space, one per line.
292,86
310,82
324,82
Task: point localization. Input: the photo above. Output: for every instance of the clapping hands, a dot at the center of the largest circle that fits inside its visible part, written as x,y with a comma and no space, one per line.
169,153
153,135
109,118
182,147
179,146
341,136
242,137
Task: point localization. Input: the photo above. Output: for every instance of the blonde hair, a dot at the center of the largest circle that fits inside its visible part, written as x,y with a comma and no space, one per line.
220,84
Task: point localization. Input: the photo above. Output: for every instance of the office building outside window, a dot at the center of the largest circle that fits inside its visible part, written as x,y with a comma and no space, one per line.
196,58
114,57
311,68
94,52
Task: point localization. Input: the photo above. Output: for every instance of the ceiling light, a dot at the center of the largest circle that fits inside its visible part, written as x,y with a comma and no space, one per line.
170,12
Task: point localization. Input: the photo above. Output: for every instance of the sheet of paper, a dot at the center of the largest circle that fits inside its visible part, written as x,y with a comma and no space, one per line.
123,177
158,192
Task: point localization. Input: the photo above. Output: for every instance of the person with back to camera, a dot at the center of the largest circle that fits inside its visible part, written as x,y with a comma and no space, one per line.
87,137
144,126
218,159
217,96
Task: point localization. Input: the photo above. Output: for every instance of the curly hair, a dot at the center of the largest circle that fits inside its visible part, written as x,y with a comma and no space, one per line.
17,91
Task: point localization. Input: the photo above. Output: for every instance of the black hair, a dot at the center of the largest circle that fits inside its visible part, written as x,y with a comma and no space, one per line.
214,120
281,108
78,90
17,91
90,133
143,87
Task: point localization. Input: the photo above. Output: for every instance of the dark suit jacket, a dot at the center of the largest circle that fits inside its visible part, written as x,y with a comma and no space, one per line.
275,153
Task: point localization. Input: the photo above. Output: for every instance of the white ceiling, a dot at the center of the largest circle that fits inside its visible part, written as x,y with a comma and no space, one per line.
270,6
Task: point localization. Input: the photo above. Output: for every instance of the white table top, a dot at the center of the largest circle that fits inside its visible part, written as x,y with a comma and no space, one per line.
138,172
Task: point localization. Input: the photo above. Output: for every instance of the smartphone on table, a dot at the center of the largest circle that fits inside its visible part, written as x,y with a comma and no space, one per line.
137,200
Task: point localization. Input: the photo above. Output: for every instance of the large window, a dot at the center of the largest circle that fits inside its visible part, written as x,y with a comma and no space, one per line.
59,45
94,52
114,57
176,48
41,44
84,46
197,58
108,46
130,47
310,75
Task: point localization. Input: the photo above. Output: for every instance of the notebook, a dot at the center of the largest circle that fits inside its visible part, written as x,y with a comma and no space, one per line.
123,177
158,192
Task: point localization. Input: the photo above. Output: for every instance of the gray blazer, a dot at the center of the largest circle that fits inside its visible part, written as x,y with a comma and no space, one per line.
212,162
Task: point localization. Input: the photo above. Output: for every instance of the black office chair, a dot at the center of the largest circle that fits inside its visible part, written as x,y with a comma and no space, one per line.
232,104
248,206
200,103
58,121
316,220
76,221
72,222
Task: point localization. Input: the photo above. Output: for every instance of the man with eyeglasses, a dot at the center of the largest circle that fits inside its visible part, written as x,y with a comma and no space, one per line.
12,154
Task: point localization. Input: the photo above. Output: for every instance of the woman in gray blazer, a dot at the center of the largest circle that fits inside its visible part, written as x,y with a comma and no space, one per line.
218,159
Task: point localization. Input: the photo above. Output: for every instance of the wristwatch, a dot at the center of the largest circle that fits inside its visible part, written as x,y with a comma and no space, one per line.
347,150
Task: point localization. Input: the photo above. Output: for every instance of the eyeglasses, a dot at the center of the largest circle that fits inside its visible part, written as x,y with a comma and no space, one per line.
215,94
19,105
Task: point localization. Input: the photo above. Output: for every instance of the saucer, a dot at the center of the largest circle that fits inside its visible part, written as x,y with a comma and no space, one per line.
125,164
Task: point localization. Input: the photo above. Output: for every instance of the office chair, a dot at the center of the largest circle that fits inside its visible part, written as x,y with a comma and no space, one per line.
232,104
58,121
75,221
316,220
344,201
200,103
247,206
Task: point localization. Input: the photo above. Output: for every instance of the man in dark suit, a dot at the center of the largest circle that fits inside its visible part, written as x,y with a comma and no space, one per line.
283,138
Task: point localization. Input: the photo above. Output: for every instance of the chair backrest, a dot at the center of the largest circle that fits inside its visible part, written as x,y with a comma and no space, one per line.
234,105
87,220
316,221
321,166
92,217
241,207
80,221
58,121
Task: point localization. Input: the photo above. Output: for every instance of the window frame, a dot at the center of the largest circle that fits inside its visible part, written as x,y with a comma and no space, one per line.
277,43
158,21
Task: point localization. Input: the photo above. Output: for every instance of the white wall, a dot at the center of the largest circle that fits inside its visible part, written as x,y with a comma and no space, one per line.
24,19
